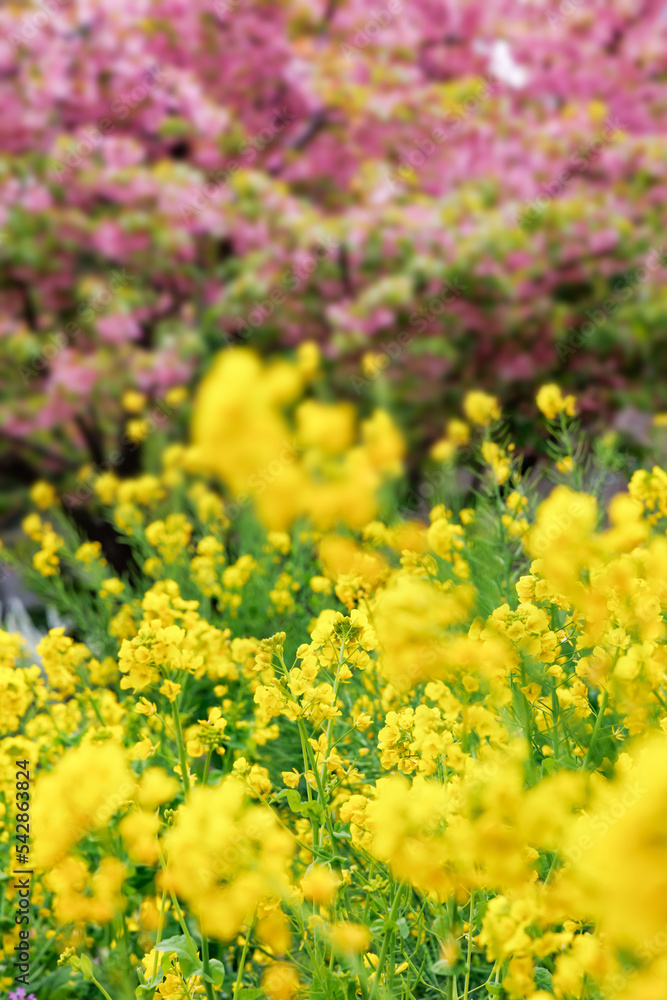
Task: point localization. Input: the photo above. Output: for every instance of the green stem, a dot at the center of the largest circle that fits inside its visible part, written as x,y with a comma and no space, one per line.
314,825
329,732
528,724
184,926
386,941
100,987
265,801
160,924
204,940
208,986
660,698
182,756
322,799
466,985
576,470
126,954
330,722
246,943
596,729
554,713
207,765
507,555
95,707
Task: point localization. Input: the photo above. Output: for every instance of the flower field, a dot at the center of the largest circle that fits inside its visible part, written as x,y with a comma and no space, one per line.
333,500
314,747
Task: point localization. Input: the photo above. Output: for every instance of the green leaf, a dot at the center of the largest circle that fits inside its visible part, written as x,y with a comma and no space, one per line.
216,972
543,980
313,809
403,928
443,968
177,943
86,967
188,958
248,993
189,965
144,992
441,927
332,991
163,967
293,799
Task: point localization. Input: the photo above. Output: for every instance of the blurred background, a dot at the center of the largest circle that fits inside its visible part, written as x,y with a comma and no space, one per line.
443,195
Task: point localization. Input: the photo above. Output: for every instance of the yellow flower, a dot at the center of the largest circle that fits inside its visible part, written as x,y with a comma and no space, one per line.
139,832
176,396
308,359
43,495
138,430
145,707
443,450
170,689
133,401
32,527
350,937
497,458
224,856
372,363
458,432
79,794
281,981
142,750
170,536
156,787
328,426
320,885
551,402
90,552
46,561
112,587
480,408
106,486
565,464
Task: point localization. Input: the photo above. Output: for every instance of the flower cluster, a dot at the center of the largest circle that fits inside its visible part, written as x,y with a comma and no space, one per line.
348,760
